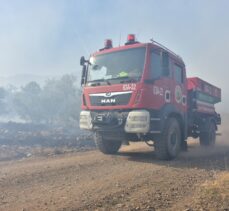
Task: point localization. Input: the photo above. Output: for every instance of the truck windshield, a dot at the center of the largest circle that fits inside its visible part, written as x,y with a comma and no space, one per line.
117,67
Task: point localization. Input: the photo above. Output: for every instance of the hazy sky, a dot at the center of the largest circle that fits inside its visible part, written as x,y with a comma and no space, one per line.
49,36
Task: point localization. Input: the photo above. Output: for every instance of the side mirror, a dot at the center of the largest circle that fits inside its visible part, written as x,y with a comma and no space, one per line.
83,76
82,60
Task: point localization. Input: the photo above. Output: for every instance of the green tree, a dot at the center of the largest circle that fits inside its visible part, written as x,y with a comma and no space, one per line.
57,103
60,99
27,102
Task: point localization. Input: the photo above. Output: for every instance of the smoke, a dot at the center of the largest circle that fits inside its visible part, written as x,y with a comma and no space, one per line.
48,37
30,38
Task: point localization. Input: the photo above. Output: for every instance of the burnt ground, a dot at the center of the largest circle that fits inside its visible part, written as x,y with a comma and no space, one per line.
19,141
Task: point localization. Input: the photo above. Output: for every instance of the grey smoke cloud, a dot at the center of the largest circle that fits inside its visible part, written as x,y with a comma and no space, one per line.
48,37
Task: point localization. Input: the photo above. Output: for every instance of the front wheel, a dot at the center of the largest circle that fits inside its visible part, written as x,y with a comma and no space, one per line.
106,146
167,147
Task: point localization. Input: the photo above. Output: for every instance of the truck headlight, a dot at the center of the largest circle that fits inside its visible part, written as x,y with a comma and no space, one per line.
138,122
85,120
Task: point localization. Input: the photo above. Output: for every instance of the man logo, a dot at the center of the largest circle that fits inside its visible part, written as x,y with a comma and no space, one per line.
108,94
104,101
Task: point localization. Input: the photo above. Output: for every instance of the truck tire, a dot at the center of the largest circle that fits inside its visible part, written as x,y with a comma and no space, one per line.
168,145
106,146
208,138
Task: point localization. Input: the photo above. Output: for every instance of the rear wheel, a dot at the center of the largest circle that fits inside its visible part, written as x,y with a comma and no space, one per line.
168,145
106,146
208,138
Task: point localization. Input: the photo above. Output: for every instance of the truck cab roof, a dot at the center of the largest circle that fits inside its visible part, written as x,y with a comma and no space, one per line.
148,45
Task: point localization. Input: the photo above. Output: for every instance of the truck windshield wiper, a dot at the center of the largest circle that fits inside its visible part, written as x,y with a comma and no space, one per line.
125,79
97,82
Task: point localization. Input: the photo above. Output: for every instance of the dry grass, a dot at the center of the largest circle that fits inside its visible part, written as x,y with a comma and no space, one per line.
214,195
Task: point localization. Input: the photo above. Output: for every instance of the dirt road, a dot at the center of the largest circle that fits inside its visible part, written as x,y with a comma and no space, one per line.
131,180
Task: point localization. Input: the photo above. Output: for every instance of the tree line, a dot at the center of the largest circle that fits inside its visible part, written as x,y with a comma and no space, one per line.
57,102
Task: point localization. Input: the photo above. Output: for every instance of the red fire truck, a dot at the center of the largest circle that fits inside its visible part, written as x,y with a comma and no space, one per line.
140,92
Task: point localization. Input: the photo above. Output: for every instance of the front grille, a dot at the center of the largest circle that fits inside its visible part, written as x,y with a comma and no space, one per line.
110,99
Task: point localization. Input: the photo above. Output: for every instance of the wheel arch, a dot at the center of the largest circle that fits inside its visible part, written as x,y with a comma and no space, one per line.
170,111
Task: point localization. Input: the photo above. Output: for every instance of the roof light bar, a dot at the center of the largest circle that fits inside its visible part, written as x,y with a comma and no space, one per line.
131,39
108,44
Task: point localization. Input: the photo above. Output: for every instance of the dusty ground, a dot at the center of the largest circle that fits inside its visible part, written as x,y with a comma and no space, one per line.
131,180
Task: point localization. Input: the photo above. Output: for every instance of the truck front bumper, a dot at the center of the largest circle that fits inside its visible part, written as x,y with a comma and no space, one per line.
136,121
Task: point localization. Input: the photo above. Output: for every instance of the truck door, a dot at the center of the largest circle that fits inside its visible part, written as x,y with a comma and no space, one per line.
160,75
